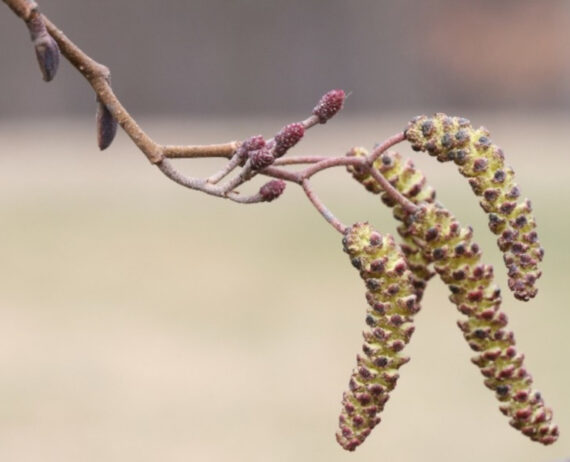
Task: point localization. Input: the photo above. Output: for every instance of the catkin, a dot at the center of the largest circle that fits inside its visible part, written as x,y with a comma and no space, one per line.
412,184
392,304
482,161
457,260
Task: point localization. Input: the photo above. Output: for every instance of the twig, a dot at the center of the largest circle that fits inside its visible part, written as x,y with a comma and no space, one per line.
385,145
210,150
321,207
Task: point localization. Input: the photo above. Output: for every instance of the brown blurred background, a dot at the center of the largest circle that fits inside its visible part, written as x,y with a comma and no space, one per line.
141,321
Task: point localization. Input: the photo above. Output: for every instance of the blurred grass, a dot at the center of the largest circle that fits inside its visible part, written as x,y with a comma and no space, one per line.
140,321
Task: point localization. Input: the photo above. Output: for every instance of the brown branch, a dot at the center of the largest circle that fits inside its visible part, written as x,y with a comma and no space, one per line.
211,150
98,77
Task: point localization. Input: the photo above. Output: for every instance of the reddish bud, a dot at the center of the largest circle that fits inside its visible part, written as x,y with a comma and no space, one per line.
288,137
106,127
329,105
261,158
253,143
272,190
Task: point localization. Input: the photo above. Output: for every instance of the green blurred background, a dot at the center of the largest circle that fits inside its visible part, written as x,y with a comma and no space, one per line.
141,321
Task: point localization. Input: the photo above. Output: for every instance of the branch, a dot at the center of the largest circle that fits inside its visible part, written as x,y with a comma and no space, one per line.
255,155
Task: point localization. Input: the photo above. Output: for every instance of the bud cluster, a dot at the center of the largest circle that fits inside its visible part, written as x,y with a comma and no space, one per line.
410,182
392,305
480,160
457,260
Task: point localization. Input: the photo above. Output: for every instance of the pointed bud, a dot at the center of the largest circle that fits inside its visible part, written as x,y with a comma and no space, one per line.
288,137
261,158
47,51
106,127
272,190
329,105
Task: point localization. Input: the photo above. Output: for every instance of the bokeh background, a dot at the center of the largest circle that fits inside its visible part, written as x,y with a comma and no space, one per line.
140,321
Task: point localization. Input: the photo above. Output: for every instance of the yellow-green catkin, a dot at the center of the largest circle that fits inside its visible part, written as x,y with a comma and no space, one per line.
392,304
482,161
410,182
457,260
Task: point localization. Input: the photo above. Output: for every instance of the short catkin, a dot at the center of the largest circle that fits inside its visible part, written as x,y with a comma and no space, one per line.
412,184
392,305
482,161
457,260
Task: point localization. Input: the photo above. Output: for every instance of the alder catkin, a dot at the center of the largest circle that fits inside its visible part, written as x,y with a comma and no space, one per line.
482,161
457,260
412,184
392,304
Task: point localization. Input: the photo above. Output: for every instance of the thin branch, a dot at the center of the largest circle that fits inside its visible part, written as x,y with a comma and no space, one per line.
406,204
321,207
385,145
299,160
200,151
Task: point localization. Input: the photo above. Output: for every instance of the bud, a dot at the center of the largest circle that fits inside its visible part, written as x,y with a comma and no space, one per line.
483,162
272,190
261,158
329,105
106,127
47,51
288,137
253,143
392,305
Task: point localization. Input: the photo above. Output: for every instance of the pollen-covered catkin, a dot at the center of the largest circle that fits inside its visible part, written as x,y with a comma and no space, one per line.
482,161
412,184
392,304
457,260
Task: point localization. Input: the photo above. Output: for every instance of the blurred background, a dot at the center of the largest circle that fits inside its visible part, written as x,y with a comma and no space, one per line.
141,321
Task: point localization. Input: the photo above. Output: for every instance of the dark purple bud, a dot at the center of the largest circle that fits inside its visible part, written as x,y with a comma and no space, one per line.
272,190
47,51
106,127
261,158
288,137
329,105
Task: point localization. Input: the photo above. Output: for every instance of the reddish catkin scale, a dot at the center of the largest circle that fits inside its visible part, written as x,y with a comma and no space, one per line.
412,184
392,305
458,262
482,161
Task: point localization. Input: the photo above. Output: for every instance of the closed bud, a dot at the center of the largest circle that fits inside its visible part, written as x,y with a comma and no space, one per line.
106,127
288,137
47,51
253,143
272,190
261,158
329,105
